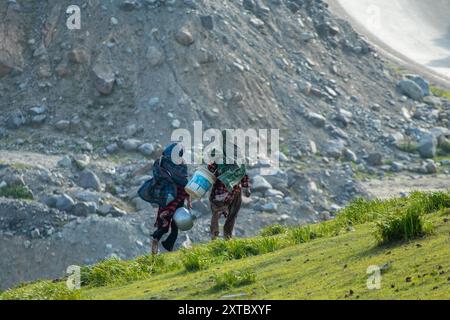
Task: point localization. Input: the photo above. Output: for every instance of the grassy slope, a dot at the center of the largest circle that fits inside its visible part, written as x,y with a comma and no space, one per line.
322,269
324,261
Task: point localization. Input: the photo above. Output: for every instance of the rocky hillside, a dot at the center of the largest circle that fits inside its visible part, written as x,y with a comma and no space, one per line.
82,109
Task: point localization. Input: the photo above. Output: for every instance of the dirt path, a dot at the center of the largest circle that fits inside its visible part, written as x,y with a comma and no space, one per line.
29,158
41,160
395,186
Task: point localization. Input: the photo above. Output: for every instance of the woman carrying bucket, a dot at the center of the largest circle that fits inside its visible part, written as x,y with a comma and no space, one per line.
226,181
226,202
226,194
175,174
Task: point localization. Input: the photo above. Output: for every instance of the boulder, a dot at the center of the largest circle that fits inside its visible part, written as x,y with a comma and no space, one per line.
147,149
411,89
334,149
349,155
375,159
317,119
64,202
89,180
260,184
112,148
65,162
430,167
421,82
131,144
428,146
83,209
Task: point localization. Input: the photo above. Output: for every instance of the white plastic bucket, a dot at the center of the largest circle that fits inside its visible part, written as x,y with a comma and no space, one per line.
200,184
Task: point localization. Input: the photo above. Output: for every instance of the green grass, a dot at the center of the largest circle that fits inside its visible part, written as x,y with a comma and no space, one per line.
273,230
117,272
439,92
16,192
42,290
22,166
408,146
233,279
321,261
444,148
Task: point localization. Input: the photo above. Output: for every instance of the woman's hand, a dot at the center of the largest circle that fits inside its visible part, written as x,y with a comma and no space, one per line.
189,203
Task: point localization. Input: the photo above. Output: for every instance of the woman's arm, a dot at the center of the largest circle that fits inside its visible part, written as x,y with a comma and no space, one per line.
245,183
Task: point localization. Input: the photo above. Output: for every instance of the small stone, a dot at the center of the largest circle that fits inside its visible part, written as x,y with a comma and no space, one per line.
270,207
257,23
207,22
78,56
104,78
317,119
65,162
112,148
15,120
27,244
35,233
147,149
116,212
153,102
184,37
375,159
62,125
430,167
83,209
176,123
155,56
35,111
104,209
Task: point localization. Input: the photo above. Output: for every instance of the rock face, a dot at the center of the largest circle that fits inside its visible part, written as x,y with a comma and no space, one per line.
89,180
12,37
